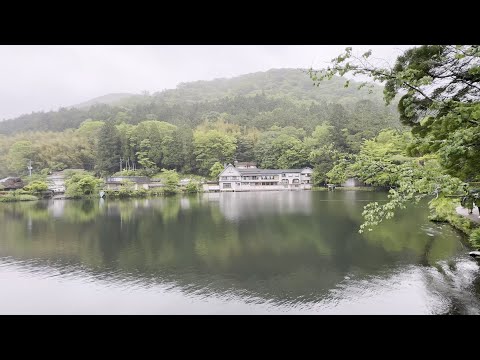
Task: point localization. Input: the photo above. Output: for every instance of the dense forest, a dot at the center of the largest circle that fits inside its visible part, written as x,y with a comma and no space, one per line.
276,118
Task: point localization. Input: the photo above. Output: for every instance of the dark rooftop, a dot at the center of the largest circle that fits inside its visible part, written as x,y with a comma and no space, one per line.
268,171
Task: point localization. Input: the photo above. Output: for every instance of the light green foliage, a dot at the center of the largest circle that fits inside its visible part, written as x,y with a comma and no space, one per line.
79,185
380,160
215,170
14,196
454,137
475,238
213,146
128,190
414,182
36,187
142,155
68,174
439,87
170,178
36,177
19,155
341,171
89,128
321,136
192,187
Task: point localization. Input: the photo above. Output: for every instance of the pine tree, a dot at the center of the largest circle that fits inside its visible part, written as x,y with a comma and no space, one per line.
108,149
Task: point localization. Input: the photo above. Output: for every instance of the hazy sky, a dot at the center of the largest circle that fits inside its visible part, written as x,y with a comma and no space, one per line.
35,78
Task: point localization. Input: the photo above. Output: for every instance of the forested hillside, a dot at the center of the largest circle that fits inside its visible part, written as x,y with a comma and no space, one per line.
109,99
277,118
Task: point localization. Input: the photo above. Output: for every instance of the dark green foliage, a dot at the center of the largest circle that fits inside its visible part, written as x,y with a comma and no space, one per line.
108,149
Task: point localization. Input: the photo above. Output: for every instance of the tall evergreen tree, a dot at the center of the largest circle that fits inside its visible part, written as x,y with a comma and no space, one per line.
108,149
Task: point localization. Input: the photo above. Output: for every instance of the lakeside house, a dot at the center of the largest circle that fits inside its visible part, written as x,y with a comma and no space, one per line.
250,178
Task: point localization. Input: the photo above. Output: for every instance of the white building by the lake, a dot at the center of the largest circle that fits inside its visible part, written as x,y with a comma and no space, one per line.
247,177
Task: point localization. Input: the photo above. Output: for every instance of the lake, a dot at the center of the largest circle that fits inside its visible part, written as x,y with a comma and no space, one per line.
292,252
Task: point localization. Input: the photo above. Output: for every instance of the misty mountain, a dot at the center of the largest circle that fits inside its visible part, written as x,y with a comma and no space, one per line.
274,83
279,97
109,99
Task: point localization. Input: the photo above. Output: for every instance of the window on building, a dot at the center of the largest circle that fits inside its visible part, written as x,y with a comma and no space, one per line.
227,185
296,181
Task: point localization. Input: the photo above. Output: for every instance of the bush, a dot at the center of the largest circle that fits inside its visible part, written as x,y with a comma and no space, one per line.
215,170
475,238
155,191
192,187
17,195
170,178
36,187
80,185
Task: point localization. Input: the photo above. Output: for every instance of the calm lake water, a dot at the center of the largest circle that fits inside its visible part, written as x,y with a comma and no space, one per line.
230,253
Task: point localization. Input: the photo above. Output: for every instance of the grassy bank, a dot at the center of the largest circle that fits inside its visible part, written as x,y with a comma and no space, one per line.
17,197
444,210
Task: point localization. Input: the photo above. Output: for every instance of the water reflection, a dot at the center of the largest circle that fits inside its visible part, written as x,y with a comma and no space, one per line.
277,251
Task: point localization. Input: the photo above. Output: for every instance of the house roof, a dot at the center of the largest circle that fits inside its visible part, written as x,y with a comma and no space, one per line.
268,171
257,171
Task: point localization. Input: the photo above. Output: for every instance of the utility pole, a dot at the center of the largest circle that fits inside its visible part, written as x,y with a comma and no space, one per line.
121,163
29,167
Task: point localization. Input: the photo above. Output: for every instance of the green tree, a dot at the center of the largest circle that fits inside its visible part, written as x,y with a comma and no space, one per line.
439,94
213,146
170,178
142,155
192,187
281,148
108,149
79,185
215,170
36,187
19,155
